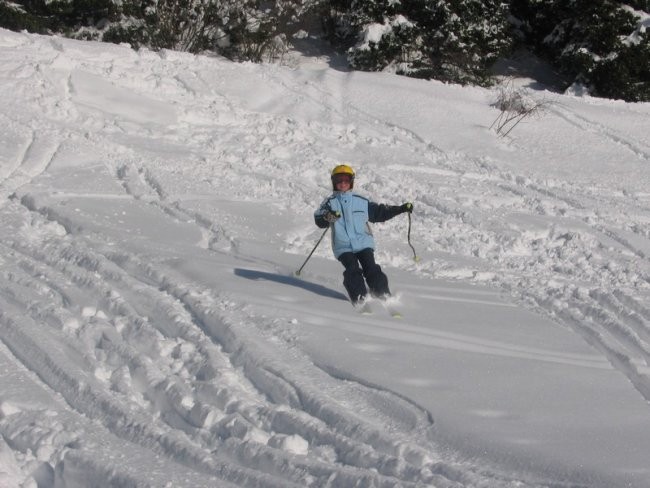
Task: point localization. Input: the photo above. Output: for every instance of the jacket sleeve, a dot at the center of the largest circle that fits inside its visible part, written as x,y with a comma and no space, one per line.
378,212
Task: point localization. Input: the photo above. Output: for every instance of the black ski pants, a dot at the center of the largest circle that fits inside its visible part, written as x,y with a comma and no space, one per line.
362,265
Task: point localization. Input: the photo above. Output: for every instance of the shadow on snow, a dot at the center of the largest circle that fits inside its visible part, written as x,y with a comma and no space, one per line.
290,280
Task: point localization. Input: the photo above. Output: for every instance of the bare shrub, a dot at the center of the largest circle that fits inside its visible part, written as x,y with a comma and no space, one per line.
514,105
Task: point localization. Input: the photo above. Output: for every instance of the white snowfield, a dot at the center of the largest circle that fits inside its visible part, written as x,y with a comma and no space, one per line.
153,209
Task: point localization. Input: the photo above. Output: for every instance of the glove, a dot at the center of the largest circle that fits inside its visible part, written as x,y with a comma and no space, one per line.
407,207
331,217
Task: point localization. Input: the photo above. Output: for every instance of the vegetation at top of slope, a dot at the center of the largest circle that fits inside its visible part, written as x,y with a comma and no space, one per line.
600,46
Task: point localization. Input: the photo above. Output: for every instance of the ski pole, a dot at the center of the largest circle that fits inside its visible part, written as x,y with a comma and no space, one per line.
408,236
297,273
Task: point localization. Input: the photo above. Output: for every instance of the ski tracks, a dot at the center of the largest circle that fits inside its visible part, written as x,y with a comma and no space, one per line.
639,149
37,153
583,264
336,107
175,368
139,183
586,265
601,276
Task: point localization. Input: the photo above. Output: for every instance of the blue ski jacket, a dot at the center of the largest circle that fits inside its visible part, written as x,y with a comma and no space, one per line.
351,232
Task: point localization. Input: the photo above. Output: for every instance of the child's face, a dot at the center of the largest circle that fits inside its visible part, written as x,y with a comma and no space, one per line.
342,182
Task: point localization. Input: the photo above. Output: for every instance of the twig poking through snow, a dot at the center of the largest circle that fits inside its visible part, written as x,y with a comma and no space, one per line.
515,104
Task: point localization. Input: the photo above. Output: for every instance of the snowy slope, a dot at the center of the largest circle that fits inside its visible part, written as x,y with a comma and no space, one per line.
153,209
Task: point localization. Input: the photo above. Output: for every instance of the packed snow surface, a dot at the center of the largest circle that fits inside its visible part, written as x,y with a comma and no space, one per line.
155,206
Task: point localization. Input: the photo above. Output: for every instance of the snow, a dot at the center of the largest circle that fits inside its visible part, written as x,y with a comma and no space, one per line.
154,208
374,32
643,19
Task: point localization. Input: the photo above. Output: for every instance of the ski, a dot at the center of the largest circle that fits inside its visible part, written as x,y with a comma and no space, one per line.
396,314
390,307
363,308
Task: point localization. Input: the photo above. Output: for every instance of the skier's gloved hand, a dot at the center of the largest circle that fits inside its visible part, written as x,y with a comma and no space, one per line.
407,207
331,217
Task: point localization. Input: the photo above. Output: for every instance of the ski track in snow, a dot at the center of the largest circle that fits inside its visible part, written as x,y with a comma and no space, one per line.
195,369
614,321
640,150
39,152
186,363
183,366
171,367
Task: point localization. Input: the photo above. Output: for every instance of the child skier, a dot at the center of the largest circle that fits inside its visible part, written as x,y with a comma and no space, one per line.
348,214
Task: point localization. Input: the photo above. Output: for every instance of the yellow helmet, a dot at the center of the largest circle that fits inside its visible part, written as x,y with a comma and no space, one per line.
343,169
